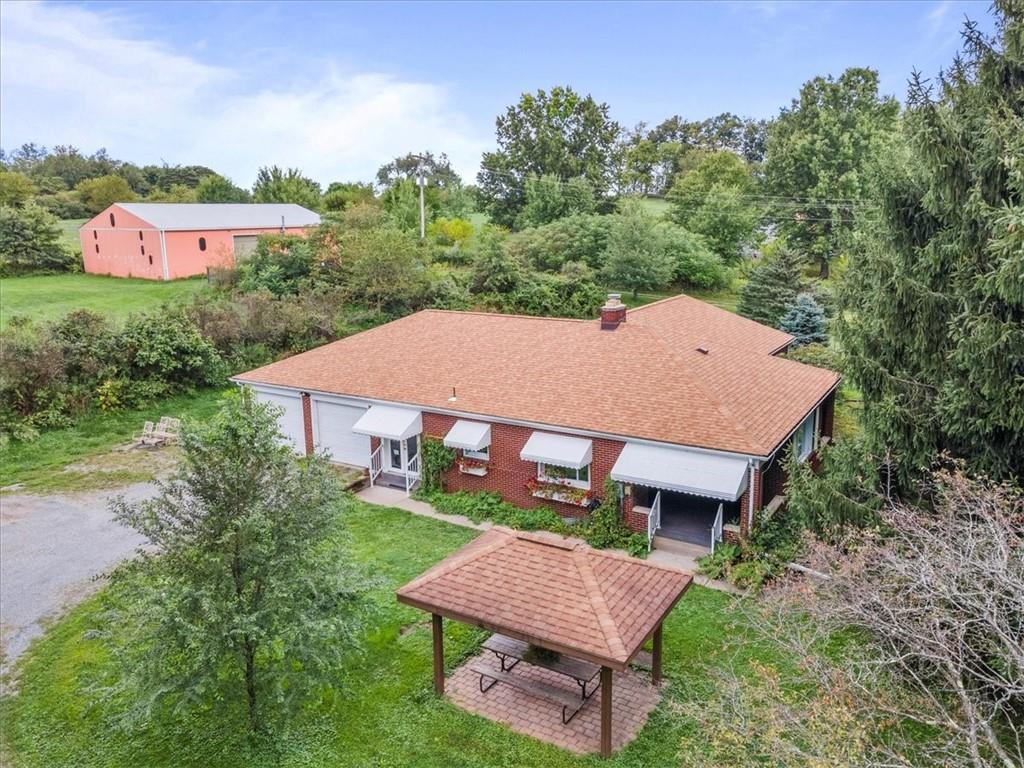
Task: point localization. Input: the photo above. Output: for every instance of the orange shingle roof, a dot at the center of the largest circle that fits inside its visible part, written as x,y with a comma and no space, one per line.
551,592
645,379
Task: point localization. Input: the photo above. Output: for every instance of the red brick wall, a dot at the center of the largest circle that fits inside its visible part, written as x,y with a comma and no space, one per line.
755,488
828,412
507,474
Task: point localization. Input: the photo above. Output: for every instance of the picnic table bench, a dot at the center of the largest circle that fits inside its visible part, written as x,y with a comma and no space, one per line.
571,705
505,648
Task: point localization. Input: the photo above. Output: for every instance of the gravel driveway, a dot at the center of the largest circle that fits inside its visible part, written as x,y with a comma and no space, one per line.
54,550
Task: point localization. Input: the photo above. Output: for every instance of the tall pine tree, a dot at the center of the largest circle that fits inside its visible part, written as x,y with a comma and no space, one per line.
773,285
932,310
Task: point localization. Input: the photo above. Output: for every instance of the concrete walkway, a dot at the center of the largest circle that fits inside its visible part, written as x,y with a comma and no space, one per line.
392,497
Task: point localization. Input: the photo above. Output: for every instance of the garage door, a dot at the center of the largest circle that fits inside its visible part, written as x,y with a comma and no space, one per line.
289,422
244,246
333,429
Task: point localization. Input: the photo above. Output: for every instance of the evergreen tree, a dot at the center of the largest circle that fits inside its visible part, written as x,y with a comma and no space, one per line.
243,599
932,311
773,286
805,321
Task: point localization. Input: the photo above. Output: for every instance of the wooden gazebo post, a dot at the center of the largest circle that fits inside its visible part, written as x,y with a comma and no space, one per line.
438,654
606,712
656,655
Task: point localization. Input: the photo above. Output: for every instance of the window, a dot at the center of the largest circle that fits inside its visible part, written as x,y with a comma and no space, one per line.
112,221
550,473
151,259
484,454
95,235
97,247
202,243
140,234
803,440
142,250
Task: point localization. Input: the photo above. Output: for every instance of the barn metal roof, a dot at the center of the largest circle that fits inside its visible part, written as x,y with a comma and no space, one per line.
199,216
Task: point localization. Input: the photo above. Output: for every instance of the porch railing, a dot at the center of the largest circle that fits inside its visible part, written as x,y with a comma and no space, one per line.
653,519
412,474
716,529
376,463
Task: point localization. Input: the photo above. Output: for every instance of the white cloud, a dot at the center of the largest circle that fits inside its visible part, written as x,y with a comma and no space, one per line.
71,75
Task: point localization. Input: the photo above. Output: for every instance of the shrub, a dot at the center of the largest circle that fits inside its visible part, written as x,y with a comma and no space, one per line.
694,263
168,348
575,238
280,264
750,574
482,506
446,231
30,241
604,528
716,565
436,460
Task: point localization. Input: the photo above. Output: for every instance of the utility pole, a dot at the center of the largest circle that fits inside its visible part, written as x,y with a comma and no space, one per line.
421,182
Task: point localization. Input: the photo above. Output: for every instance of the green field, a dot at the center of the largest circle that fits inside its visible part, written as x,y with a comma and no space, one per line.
384,712
69,234
47,297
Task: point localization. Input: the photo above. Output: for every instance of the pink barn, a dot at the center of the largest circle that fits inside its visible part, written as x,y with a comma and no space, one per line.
164,241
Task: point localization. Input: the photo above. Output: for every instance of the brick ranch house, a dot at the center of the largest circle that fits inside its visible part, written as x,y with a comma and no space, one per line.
687,407
164,241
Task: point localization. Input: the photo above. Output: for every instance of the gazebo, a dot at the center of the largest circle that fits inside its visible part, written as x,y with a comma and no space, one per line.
555,594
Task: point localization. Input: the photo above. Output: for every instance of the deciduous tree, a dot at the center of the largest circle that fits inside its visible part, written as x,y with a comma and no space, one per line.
242,600
557,133
636,257
818,152
275,185
103,191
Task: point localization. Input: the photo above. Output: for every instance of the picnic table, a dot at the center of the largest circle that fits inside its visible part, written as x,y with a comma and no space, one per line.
511,652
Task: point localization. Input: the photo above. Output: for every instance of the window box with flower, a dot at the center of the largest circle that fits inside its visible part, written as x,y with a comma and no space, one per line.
470,466
560,491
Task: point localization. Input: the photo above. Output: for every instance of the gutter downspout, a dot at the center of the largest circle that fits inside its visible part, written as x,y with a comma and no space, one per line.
750,499
163,256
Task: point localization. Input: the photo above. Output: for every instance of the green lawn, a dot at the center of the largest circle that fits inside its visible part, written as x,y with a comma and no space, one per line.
69,234
727,298
386,714
47,297
40,465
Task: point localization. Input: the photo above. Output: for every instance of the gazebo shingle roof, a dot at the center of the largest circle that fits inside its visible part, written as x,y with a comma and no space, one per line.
545,590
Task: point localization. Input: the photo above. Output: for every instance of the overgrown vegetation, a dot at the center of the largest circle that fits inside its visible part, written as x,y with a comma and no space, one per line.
603,527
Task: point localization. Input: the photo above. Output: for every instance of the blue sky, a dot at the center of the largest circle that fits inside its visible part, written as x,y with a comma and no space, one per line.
338,89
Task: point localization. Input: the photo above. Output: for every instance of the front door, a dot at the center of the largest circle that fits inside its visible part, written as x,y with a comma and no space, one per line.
394,450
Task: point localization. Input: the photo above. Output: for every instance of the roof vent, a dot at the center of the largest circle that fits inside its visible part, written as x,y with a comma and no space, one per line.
702,349
613,313
453,398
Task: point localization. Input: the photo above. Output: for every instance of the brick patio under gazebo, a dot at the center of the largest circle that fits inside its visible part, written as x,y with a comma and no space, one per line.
591,607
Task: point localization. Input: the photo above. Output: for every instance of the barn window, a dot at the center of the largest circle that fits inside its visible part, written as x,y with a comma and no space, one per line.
142,250
97,247
112,221
95,235
151,259
202,243
140,234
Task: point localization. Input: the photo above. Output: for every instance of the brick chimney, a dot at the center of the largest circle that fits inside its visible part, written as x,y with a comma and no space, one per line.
612,313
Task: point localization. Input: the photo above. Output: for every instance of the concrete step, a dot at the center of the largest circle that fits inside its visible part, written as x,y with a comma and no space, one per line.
677,547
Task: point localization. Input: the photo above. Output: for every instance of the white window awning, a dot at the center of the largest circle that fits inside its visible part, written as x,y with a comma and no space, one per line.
390,422
560,450
468,435
676,469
